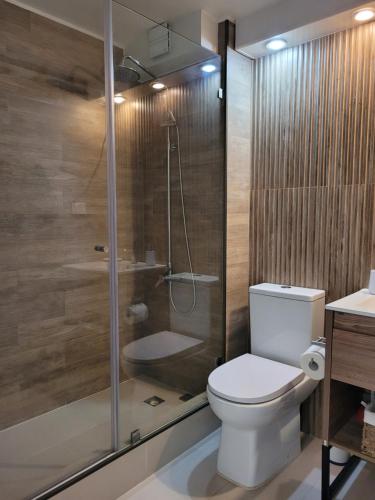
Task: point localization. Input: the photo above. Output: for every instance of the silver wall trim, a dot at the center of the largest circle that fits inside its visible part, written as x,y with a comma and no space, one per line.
112,223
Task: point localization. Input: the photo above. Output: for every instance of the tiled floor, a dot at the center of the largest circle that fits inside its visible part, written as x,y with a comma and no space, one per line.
193,476
44,449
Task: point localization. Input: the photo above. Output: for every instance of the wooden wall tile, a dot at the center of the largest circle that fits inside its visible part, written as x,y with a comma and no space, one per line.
54,321
238,144
142,157
312,166
313,113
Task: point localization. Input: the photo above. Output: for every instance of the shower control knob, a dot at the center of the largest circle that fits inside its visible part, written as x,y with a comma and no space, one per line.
161,280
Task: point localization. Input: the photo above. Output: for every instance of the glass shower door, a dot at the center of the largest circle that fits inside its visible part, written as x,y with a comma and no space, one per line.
54,308
170,193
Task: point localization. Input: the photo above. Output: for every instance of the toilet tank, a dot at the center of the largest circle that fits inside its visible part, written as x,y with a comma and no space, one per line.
284,320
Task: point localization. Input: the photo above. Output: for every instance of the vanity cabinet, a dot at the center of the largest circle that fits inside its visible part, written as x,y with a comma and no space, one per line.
353,352
349,371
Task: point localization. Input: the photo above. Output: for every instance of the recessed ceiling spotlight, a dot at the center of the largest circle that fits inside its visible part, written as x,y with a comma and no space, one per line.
208,68
158,86
276,44
119,99
364,15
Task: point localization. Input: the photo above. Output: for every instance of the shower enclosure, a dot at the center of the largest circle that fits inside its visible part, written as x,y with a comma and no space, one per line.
112,210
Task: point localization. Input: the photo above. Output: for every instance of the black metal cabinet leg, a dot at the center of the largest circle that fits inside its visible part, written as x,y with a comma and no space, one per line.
329,489
326,490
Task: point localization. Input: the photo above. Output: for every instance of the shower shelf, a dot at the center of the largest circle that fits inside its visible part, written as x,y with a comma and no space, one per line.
201,279
100,266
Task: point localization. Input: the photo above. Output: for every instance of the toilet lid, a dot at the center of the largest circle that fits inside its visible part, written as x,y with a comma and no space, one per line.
252,379
158,346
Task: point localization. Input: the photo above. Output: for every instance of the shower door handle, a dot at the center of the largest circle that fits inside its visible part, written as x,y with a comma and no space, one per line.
101,248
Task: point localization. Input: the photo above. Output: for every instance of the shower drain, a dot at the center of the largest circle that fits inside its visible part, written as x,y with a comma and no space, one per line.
154,401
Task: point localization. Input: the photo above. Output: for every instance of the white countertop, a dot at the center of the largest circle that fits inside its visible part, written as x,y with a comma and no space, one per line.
361,303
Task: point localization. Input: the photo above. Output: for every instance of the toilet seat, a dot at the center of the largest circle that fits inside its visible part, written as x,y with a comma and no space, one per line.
251,379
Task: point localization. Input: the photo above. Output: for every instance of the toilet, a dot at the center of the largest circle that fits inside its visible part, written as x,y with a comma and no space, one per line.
257,396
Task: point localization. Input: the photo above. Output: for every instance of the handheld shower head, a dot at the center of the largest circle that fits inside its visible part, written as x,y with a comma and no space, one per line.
170,122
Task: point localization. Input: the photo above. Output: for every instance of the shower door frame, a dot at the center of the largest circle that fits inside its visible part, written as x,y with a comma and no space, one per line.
112,225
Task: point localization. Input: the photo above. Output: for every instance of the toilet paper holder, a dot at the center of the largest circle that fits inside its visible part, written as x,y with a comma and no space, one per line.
320,341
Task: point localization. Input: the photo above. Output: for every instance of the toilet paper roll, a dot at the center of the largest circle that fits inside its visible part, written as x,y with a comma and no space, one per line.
313,361
136,313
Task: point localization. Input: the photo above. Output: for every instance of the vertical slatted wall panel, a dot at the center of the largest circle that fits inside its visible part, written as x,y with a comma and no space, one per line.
312,168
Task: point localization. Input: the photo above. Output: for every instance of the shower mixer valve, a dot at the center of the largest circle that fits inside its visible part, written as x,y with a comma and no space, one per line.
160,280
166,277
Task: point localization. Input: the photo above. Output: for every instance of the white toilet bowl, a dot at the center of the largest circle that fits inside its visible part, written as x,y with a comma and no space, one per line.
258,401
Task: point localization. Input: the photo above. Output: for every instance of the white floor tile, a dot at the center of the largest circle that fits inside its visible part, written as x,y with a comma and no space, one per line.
191,473
193,476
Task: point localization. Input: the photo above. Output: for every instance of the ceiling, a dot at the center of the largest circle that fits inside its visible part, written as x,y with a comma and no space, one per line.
219,9
131,32
306,32
257,21
296,21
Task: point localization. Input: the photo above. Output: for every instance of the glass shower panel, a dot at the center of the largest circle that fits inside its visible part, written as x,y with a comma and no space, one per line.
170,190
54,321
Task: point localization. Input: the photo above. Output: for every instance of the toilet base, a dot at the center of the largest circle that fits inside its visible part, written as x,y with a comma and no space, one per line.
252,457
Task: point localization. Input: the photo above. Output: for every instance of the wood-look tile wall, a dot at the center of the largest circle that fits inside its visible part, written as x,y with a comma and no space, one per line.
142,152
53,320
142,145
238,89
312,165
54,324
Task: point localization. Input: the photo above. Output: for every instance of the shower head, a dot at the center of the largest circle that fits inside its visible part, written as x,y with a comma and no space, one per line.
127,74
170,122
